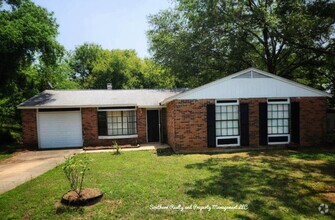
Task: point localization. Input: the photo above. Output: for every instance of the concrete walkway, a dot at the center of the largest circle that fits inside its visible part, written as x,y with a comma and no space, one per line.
27,165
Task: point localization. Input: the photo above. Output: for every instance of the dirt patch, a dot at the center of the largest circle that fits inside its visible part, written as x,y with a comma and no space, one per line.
330,197
87,196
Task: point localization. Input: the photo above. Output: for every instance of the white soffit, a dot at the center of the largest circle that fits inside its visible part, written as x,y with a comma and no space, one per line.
250,83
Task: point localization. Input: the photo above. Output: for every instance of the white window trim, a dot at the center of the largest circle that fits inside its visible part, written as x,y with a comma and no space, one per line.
115,110
272,101
279,135
119,136
228,145
237,102
228,103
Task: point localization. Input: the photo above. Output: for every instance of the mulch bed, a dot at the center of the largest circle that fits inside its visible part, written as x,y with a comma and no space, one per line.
111,147
87,196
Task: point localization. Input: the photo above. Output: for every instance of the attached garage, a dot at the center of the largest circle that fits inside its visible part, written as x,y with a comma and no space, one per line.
59,129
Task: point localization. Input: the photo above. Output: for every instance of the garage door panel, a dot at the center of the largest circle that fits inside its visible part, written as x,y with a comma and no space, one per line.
60,129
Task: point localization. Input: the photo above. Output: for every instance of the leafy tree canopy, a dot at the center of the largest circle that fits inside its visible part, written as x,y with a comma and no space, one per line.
202,40
94,67
27,31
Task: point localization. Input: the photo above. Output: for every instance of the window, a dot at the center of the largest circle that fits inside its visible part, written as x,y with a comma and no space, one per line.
116,122
121,123
227,122
278,120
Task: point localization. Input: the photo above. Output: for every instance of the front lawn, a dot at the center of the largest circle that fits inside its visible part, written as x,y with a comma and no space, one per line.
273,184
4,156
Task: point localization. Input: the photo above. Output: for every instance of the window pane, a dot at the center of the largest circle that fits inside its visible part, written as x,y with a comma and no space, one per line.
230,116
280,122
230,124
275,115
280,114
230,131
280,130
274,130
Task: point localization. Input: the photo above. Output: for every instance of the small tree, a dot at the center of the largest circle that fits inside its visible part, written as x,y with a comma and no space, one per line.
117,147
75,168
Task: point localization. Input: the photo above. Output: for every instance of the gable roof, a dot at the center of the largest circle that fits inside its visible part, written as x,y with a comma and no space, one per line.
95,98
249,83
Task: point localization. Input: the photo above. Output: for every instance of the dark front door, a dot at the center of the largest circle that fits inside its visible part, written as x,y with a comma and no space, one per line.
153,125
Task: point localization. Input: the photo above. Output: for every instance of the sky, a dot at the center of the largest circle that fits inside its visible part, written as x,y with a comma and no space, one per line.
114,24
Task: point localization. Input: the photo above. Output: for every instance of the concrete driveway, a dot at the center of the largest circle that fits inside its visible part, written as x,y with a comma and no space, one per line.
27,165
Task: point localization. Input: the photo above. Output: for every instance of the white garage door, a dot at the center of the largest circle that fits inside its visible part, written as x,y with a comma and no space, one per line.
60,129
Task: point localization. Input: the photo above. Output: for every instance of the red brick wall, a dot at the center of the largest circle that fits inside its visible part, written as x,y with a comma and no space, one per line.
141,115
253,120
170,130
29,128
90,129
187,125
313,122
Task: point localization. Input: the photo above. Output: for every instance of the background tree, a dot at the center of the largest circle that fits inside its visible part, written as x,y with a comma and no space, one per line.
27,32
82,61
29,56
94,67
200,40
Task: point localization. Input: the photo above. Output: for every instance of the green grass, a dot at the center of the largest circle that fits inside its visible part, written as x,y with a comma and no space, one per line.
274,184
4,156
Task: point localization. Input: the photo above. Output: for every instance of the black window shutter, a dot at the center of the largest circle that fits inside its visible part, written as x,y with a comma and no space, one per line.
102,123
295,122
211,133
263,123
244,122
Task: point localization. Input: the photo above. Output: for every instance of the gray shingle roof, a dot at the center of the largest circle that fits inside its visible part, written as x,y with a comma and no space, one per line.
92,98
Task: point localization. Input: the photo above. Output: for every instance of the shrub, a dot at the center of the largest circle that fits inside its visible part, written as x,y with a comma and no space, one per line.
75,168
117,147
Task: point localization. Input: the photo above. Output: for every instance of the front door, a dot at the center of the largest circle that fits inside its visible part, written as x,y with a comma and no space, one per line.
153,125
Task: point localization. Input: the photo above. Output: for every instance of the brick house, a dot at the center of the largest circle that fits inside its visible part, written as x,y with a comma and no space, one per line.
248,109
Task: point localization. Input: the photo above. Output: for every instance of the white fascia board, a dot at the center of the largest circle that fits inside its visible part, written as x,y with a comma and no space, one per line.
152,106
91,106
72,106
